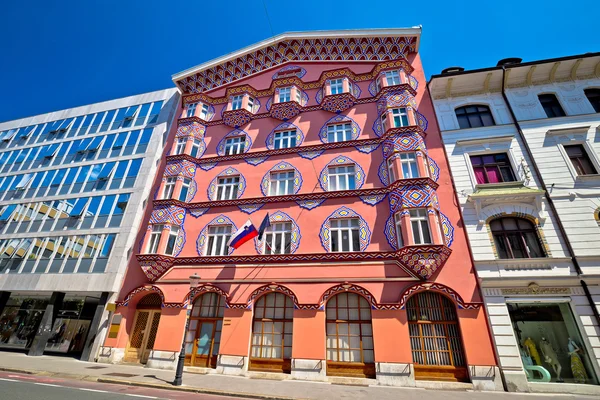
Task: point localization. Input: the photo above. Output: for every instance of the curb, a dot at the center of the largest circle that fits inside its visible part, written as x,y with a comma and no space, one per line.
189,389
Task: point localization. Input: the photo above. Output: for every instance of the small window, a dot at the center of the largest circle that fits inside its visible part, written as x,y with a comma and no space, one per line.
398,221
250,104
593,96
408,162
180,146
344,235
235,145
391,173
171,240
154,239
474,116
551,105
204,112
400,117
185,189
285,94
392,78
236,102
169,187
342,178
336,86
284,140
227,188
339,132
282,183
420,226
218,236
191,109
278,239
492,168
516,238
195,150
580,159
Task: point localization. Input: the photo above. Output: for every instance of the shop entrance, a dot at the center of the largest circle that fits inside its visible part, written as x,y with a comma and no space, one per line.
145,326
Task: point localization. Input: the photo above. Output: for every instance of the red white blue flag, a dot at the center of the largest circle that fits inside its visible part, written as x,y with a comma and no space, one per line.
245,233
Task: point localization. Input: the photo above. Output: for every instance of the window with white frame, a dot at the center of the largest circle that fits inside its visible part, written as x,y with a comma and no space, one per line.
284,139
235,145
204,112
171,240
195,150
419,223
398,222
278,238
391,173
218,236
342,178
399,117
169,187
285,94
392,78
339,132
154,239
281,183
250,104
236,102
180,145
185,189
408,163
298,96
344,234
227,188
191,109
336,86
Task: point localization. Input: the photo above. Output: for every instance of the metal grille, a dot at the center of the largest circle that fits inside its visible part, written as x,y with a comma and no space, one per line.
138,331
153,330
150,301
434,332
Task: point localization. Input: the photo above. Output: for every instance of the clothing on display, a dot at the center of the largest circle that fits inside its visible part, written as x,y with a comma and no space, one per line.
576,364
532,350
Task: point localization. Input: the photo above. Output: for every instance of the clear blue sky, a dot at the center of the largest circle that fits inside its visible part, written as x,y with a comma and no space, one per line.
56,55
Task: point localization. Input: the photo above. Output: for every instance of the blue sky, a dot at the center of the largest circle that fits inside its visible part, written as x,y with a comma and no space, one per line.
56,55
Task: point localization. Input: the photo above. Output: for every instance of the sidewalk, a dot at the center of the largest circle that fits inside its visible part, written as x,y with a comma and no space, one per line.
232,386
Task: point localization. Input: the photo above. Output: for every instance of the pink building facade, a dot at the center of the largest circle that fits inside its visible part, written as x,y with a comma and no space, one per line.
365,270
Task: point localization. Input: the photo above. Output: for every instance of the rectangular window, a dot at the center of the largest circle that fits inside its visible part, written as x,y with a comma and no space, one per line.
398,221
392,78
408,161
185,189
180,145
420,226
278,238
190,110
284,140
391,173
154,239
344,235
171,240
250,104
227,188
235,145
336,86
218,236
195,150
339,132
342,178
580,159
236,102
400,117
281,183
492,168
204,112
285,94
169,187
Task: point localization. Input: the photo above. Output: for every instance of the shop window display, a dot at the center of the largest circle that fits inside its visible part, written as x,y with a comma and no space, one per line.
551,347
71,325
20,320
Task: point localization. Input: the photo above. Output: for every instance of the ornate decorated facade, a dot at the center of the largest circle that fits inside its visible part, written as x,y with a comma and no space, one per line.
364,271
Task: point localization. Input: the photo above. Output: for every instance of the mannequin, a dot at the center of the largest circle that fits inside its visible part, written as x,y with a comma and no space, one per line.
576,365
532,350
550,357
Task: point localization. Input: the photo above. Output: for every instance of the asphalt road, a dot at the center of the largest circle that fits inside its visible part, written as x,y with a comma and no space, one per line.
26,387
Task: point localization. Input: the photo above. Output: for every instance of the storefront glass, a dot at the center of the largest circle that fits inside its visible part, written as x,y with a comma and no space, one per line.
20,320
551,346
71,326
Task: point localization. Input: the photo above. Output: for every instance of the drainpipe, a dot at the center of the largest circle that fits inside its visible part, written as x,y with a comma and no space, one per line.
549,200
471,257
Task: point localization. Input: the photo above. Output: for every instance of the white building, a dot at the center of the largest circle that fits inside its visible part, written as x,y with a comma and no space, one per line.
523,142
72,184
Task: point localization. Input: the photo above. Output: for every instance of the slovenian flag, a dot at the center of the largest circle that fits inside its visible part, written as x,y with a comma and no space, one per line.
242,235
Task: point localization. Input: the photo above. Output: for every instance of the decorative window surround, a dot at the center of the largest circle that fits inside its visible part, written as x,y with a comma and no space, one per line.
486,200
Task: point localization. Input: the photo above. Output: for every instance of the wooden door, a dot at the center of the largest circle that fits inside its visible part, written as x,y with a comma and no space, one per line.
203,338
141,341
202,352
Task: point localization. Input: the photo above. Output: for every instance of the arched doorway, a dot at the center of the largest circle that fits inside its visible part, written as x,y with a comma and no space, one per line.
349,336
272,328
203,337
145,325
435,338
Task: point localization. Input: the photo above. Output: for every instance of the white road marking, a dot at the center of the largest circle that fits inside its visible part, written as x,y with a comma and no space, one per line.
46,384
8,380
93,390
140,395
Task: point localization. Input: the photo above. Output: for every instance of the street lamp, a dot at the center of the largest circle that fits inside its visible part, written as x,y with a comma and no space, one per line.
194,281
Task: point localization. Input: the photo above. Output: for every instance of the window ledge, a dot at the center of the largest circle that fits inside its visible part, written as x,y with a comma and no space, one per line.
588,177
499,185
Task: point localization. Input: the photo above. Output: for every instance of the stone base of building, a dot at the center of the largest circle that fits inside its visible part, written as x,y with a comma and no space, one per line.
486,378
395,374
308,370
232,365
110,355
162,359
516,381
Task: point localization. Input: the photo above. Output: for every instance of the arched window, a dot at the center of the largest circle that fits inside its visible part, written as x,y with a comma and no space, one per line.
516,238
474,116
272,333
593,96
349,336
203,337
551,105
435,338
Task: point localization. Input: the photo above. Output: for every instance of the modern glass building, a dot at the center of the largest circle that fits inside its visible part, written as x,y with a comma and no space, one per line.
72,183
